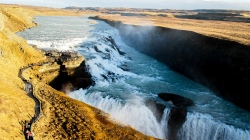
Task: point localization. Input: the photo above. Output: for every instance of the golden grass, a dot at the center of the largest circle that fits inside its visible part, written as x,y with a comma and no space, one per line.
61,113
62,117
46,11
66,118
15,53
234,31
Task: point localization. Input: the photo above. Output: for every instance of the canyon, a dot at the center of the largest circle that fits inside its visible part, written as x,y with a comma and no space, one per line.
213,53
220,64
61,116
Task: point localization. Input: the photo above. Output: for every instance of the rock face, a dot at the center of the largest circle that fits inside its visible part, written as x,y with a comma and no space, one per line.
177,114
75,79
177,100
176,119
221,65
63,117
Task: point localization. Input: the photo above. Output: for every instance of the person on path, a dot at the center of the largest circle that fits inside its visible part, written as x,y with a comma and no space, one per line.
28,126
30,136
23,127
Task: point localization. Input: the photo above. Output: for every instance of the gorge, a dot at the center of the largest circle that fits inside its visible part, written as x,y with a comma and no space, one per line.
221,65
129,81
127,67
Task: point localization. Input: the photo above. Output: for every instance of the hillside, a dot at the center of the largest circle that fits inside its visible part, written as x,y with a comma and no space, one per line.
61,117
15,105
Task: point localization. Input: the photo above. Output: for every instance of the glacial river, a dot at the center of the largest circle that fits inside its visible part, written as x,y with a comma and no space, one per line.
125,82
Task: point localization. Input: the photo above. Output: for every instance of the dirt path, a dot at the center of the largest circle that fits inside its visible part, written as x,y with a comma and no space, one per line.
27,124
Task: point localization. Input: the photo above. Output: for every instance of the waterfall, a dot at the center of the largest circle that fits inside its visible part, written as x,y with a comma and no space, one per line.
204,127
132,112
123,92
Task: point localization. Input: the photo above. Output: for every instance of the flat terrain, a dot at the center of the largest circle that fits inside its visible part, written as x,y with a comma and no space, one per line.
222,24
228,30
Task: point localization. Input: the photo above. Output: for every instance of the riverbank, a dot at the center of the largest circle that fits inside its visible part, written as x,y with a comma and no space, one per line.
224,30
61,117
218,62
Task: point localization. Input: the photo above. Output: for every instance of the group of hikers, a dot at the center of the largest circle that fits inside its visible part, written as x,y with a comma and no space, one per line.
26,128
26,125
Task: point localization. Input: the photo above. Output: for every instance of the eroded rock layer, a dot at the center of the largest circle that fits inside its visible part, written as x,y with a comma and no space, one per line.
60,116
221,65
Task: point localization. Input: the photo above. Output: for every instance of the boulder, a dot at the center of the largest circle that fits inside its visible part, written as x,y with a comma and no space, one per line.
177,117
177,100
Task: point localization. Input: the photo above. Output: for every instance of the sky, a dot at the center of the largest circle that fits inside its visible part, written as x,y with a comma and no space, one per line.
153,4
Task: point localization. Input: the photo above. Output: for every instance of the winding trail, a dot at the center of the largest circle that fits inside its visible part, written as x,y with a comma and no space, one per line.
29,88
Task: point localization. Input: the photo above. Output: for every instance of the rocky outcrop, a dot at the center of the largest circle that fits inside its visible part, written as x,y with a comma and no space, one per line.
61,117
221,65
177,100
178,113
177,118
71,78
65,118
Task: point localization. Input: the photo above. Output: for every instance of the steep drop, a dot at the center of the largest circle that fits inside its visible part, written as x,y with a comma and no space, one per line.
221,65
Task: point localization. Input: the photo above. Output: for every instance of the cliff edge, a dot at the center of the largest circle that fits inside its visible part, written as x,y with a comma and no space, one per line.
220,62
60,116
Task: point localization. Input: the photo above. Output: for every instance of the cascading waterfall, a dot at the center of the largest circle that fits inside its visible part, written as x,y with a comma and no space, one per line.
125,82
132,112
199,126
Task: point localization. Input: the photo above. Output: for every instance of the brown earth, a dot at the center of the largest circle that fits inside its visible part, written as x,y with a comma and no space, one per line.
62,117
65,118
221,62
47,11
15,105
226,30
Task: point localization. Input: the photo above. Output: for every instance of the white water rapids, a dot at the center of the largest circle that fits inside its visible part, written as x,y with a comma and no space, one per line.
125,82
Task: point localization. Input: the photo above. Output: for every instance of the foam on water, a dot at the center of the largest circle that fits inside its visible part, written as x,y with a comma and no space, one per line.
133,111
123,93
205,127
60,45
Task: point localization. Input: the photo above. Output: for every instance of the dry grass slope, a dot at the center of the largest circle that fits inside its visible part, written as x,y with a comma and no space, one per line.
63,117
46,11
234,31
15,53
66,118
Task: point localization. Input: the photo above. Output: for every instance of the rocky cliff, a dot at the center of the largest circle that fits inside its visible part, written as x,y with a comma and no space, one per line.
60,116
220,64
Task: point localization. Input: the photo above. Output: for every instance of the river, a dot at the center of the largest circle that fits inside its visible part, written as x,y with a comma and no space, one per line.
124,83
